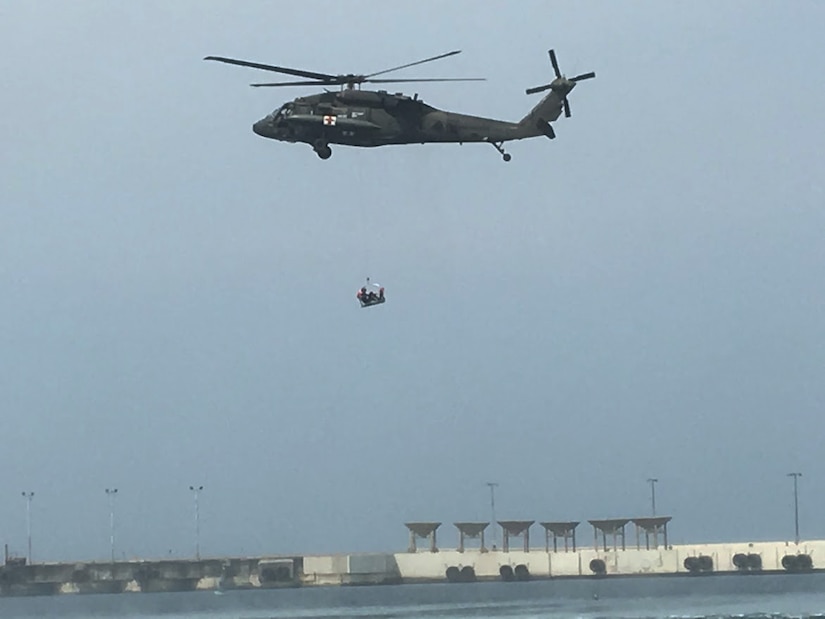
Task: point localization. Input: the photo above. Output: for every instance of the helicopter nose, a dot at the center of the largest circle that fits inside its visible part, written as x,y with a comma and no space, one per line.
261,128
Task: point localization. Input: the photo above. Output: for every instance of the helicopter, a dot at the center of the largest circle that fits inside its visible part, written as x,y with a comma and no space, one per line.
368,118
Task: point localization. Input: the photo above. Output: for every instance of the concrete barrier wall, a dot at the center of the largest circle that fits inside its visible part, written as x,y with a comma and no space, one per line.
566,564
771,553
422,566
429,566
325,570
127,576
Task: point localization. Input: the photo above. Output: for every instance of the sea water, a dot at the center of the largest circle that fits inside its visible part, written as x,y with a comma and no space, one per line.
791,596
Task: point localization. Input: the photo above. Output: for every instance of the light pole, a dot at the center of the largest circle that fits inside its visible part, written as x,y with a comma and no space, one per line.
492,486
796,477
111,492
652,481
29,496
197,491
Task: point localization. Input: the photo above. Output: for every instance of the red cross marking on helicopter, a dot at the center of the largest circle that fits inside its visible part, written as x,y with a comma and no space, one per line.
329,120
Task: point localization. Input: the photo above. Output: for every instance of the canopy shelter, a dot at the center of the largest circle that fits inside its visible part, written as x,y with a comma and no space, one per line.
472,530
612,526
652,527
425,530
564,530
515,528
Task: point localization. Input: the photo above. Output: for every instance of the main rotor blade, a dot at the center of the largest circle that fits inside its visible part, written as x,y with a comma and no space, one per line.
430,79
532,91
554,62
269,67
412,64
566,107
583,76
300,83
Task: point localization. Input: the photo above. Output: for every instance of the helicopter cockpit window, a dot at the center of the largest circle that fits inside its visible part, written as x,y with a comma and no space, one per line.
282,112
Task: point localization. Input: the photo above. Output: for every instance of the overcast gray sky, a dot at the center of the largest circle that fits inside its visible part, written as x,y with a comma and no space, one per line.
641,297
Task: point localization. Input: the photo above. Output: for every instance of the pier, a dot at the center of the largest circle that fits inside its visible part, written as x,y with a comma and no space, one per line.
608,553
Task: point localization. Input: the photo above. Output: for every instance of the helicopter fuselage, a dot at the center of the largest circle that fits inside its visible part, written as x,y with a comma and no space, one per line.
377,118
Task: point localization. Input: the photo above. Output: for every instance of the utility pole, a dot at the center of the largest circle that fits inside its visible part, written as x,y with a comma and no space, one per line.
29,496
197,491
652,481
796,477
111,492
493,522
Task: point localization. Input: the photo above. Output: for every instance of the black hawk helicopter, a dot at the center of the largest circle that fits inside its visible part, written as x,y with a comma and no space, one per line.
356,117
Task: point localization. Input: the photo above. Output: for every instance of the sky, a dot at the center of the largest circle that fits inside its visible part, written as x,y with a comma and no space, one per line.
640,298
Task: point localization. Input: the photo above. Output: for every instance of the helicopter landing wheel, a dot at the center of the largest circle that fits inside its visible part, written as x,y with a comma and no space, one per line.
322,149
500,148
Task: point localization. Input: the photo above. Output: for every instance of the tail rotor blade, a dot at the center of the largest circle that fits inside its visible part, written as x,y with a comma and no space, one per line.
583,76
554,62
531,91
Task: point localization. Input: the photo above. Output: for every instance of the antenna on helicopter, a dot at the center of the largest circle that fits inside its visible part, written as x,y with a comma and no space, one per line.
559,76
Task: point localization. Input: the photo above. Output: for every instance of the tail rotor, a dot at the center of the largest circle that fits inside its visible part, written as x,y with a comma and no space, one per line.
556,82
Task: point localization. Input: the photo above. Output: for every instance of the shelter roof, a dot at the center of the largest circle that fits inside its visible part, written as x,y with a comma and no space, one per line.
516,527
422,529
652,522
560,528
471,529
610,525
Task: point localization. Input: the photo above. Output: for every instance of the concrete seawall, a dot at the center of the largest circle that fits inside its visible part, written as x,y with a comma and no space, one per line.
764,557
419,566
